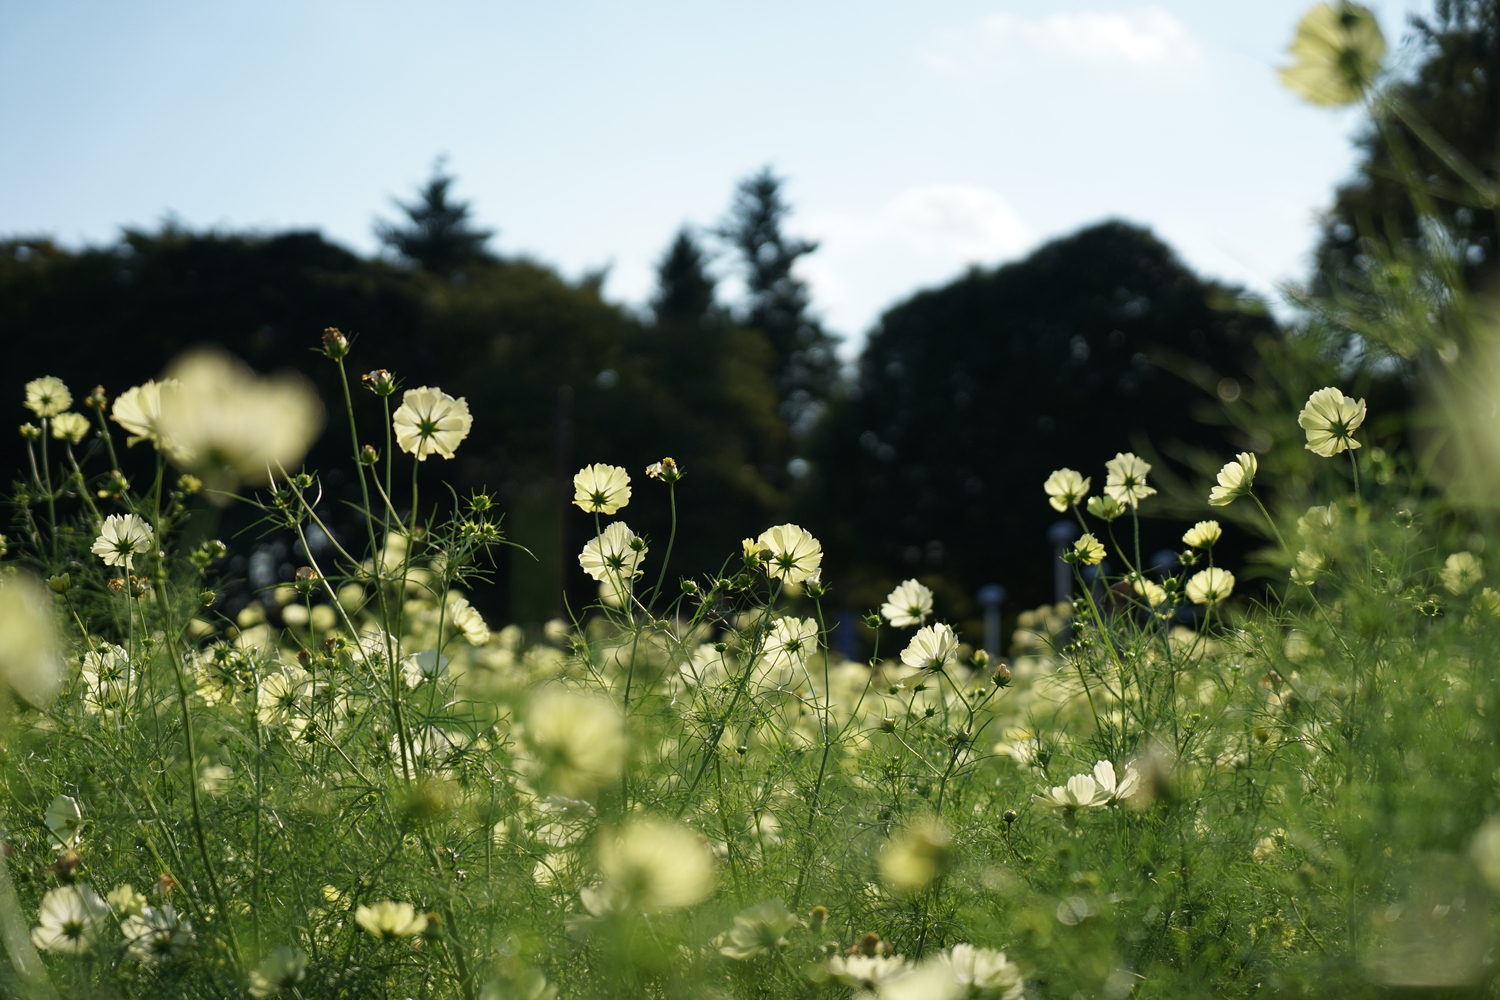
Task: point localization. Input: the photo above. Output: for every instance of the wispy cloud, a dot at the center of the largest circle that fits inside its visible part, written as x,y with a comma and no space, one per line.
1147,37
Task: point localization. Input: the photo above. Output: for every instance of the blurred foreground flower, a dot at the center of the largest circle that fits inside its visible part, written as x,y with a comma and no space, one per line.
964,973
866,973
1330,419
69,920
909,604
601,489
429,421
577,741
158,934
1461,571
1336,54
389,920
791,642
794,554
229,426
656,865
916,855
282,969
31,662
759,930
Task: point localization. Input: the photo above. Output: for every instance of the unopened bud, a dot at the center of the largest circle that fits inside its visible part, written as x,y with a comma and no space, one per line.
61,583
817,918
189,484
380,382
335,344
1010,816
368,455
207,598
981,659
689,588
31,432
1002,675
872,621
96,400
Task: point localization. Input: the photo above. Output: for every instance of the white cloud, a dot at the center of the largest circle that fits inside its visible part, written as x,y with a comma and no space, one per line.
1142,38
960,221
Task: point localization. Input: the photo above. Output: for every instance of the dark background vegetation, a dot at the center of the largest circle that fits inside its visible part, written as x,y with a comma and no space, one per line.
924,457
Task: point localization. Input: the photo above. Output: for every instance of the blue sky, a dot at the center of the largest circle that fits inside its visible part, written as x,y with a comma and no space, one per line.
917,137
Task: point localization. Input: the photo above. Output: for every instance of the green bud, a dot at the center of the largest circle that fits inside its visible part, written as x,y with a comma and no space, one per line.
61,583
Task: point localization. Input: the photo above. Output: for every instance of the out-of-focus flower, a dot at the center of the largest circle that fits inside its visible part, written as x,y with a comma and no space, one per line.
1150,591
866,974
1106,508
1203,535
282,969
657,865
1126,481
759,930
1235,480
963,973
601,489
1330,419
31,661
428,665
1310,565
214,779
47,396
70,427
1065,488
283,696
1080,792
122,537
106,677
229,426
158,934
1461,571
64,820
790,643
70,919
467,619
1210,586
125,901
577,741
917,854
615,554
909,604
430,422
932,648
1336,54
795,554
389,920
138,410
1088,550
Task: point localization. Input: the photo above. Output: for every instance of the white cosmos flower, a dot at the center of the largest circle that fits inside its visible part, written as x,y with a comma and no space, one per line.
788,646
932,648
1235,479
70,427
283,696
47,396
909,604
1150,591
964,973
758,930
794,554
389,920
1210,586
1065,488
657,865
431,422
1089,550
138,410
577,742
70,919
228,425
106,677
428,665
866,973
601,489
122,537
615,554
64,820
31,660
158,934
1336,54
1080,792
1126,482
1461,571
467,619
282,969
1330,419
1124,787
1203,535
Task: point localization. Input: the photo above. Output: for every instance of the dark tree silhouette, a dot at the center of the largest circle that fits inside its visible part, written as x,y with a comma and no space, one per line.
685,291
438,235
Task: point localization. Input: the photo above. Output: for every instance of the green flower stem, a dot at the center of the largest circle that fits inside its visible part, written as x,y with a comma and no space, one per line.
671,539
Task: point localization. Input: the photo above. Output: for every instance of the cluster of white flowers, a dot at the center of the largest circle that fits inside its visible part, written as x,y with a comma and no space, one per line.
1090,791
962,972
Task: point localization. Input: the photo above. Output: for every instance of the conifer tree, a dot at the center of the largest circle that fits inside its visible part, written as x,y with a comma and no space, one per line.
438,235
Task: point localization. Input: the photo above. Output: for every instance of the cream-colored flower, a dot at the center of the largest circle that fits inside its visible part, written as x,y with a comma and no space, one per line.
1149,591
932,648
1330,419
1080,792
601,489
47,396
282,969
229,426
866,973
1116,789
1336,54
1106,508
106,675
31,660
426,666
909,604
963,973
1210,586
64,821
917,854
1126,481
1317,523
795,554
125,901
1065,488
614,555
70,919
657,865
158,934
1461,571
467,619
1235,480
283,698
788,646
389,920
1088,550
1203,535
1310,565
431,422
1487,603
70,427
138,410
122,537
759,930
577,741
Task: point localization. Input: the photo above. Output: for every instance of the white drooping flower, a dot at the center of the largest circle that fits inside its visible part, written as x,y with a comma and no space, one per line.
230,426
909,604
431,422
389,920
1203,535
601,489
158,934
1235,479
64,821
47,396
1336,54
106,675
138,410
31,660
656,865
281,969
614,555
1126,482
420,668
1066,488
759,930
467,619
1210,586
932,648
70,427
1330,419
793,554
70,919
1461,571
577,741
122,537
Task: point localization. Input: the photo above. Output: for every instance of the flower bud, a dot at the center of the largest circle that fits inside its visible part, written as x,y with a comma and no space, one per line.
207,598
380,382
872,621
306,580
981,659
61,583
335,344
96,400
689,588
368,455
189,484
1010,816
31,432
817,918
